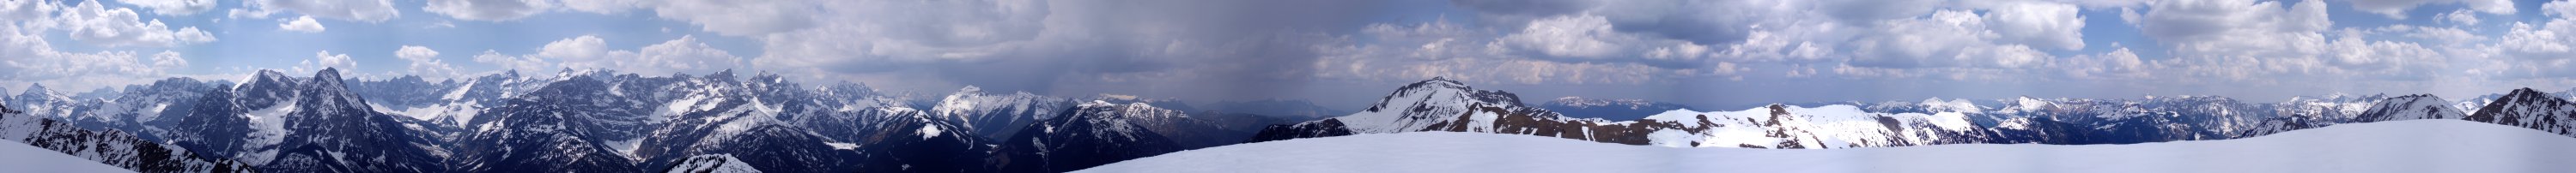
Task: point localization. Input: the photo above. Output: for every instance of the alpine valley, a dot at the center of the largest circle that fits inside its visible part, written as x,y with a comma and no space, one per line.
606,121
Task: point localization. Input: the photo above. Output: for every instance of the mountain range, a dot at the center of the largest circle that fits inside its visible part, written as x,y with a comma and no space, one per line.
605,121
1448,105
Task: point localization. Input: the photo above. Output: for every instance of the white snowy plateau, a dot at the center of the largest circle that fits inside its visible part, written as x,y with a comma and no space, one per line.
20,157
2391,146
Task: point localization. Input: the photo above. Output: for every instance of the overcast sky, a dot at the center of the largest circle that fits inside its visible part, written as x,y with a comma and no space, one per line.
1346,53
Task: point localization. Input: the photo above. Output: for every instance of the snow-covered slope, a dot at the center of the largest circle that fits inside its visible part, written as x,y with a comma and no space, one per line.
290,124
332,129
1931,105
996,116
1781,126
38,101
2394,146
2310,113
110,147
717,163
1091,134
19,157
563,122
1430,103
2422,106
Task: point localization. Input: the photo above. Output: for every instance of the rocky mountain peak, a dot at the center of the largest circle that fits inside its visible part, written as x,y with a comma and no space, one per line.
329,77
2524,93
726,75
266,80
1443,92
35,89
38,93
767,77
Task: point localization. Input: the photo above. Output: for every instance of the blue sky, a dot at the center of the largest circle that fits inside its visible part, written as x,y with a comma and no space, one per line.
1345,53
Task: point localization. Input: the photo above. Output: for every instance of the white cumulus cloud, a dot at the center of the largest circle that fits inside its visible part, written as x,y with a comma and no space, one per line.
488,10
2396,9
173,7
514,62
301,24
425,62
1568,36
2462,16
94,23
325,59
356,10
682,55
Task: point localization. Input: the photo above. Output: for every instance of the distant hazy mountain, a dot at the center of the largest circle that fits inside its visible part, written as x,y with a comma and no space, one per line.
1615,109
1288,109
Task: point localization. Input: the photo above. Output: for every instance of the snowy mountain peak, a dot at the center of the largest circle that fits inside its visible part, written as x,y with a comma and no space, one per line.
1093,133
512,73
726,75
1433,103
267,79
2528,100
2525,92
714,163
1952,105
767,77
1442,92
328,85
1438,81
333,73
846,89
601,74
1115,116
2339,97
266,74
569,72
969,90
2530,109
957,102
328,78
2027,104
2419,106
37,92
36,89
1129,109
997,115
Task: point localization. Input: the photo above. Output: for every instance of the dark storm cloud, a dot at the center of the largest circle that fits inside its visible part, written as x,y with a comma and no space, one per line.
1226,47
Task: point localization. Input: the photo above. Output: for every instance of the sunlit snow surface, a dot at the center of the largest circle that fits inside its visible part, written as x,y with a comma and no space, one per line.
20,157
2394,146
